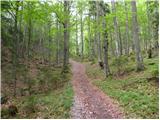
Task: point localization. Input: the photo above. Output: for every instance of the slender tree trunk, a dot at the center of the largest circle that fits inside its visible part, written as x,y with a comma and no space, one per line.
120,41
49,43
145,37
112,49
150,36
57,43
28,49
20,33
106,65
95,37
98,32
127,31
66,35
82,35
89,39
139,58
116,30
60,42
24,45
15,43
77,46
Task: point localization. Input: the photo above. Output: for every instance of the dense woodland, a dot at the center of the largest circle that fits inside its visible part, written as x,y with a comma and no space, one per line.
115,39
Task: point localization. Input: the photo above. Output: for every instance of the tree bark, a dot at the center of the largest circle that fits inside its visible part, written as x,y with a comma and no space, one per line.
28,47
66,35
120,40
77,46
111,44
82,42
106,65
98,32
127,31
89,39
150,35
116,30
57,43
49,43
15,52
139,58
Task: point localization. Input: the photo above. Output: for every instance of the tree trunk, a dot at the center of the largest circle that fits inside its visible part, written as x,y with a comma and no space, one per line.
111,44
20,33
98,32
127,31
49,43
95,38
139,58
120,41
89,39
77,46
106,65
28,49
57,43
116,30
150,35
15,43
82,49
66,35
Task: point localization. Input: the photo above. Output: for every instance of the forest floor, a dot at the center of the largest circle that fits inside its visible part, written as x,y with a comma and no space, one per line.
89,101
136,92
124,94
51,95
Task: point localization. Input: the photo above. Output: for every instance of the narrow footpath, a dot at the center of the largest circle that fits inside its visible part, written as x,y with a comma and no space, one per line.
89,101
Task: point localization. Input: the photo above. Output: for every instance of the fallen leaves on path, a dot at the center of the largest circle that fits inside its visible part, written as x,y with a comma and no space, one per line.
89,101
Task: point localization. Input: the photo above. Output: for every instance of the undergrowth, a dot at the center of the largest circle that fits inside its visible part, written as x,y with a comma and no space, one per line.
136,92
51,92
53,104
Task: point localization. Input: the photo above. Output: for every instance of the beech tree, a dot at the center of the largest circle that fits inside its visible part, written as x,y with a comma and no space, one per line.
139,58
66,33
116,30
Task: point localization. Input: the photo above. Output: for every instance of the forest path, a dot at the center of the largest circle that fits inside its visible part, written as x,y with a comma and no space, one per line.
89,101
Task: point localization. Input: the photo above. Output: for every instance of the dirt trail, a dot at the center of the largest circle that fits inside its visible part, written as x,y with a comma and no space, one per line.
89,101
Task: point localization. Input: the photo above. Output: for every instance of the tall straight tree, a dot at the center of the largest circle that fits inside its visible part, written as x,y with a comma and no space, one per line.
92,16
77,47
139,58
57,41
116,30
98,31
66,34
127,30
89,37
82,42
150,32
29,5
49,42
105,35
111,43
15,43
